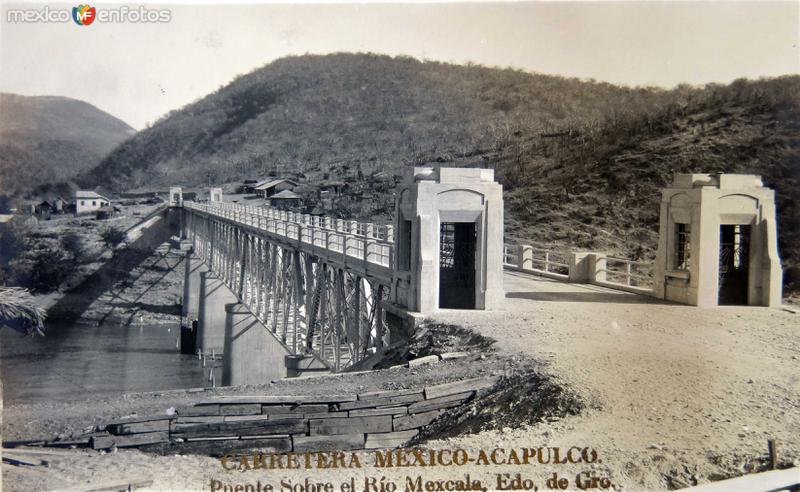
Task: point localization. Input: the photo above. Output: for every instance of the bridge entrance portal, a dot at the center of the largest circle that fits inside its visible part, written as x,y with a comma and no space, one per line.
734,264
718,242
449,252
457,265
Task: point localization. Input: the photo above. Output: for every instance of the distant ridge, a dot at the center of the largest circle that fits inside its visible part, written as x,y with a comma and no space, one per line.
582,162
46,139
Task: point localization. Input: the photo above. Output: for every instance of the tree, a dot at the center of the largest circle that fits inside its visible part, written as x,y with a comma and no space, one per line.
73,244
113,237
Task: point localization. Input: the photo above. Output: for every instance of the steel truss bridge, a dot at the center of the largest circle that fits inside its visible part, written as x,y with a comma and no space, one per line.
316,283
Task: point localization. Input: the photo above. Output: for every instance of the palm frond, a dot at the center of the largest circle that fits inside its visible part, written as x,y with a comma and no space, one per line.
19,310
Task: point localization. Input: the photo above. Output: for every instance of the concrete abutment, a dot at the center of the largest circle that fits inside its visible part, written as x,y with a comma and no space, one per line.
252,355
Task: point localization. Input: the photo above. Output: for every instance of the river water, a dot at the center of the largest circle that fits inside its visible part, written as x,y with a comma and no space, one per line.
75,361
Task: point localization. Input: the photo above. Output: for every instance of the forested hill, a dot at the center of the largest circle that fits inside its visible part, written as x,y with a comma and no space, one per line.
45,139
581,161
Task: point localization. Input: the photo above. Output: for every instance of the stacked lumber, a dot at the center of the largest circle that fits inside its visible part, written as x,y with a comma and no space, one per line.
374,420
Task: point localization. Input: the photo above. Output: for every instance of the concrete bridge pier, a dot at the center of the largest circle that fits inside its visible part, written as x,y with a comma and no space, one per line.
195,266
214,295
251,354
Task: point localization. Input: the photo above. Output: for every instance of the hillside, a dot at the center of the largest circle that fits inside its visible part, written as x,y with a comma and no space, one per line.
45,139
581,161
600,189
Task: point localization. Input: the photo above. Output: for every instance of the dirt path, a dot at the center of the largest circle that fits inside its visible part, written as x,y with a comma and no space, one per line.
673,386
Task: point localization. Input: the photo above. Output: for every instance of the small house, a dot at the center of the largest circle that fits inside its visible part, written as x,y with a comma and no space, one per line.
248,186
43,208
335,187
89,202
286,200
107,212
59,205
266,189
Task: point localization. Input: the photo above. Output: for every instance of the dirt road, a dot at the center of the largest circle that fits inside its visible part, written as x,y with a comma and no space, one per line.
690,392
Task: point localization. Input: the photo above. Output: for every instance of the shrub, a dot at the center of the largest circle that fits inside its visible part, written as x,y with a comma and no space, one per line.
113,237
72,243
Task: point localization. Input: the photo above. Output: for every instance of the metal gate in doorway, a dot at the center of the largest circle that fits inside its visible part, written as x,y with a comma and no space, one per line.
457,265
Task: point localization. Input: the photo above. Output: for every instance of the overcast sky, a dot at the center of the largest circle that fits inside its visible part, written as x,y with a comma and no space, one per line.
138,72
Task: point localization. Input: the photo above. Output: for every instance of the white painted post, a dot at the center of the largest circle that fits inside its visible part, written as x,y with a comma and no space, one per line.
597,267
525,257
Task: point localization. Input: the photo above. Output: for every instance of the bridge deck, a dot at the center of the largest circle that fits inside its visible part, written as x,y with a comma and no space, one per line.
665,374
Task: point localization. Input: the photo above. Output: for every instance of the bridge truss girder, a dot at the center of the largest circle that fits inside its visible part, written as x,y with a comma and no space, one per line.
310,303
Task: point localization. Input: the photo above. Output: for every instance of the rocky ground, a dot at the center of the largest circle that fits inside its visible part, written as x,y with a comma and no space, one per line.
145,293
667,395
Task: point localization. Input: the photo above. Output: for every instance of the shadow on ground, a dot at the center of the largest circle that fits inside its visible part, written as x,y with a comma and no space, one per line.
605,297
78,299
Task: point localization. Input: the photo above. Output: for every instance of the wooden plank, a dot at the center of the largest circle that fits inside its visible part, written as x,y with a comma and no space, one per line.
102,441
769,480
363,412
68,443
215,439
139,439
391,401
116,486
275,409
271,444
325,415
307,408
240,418
177,428
144,418
240,409
372,395
291,400
421,361
388,440
247,428
351,425
414,421
132,440
139,427
342,442
287,416
43,451
442,402
454,388
20,460
13,444
294,409
204,419
198,410
454,355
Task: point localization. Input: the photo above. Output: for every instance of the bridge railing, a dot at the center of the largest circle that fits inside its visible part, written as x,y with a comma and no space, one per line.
371,243
548,263
628,272
583,267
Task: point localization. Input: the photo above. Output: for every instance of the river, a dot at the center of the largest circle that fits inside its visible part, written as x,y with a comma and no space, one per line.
74,361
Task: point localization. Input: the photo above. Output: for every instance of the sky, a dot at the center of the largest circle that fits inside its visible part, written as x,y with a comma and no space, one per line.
140,71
